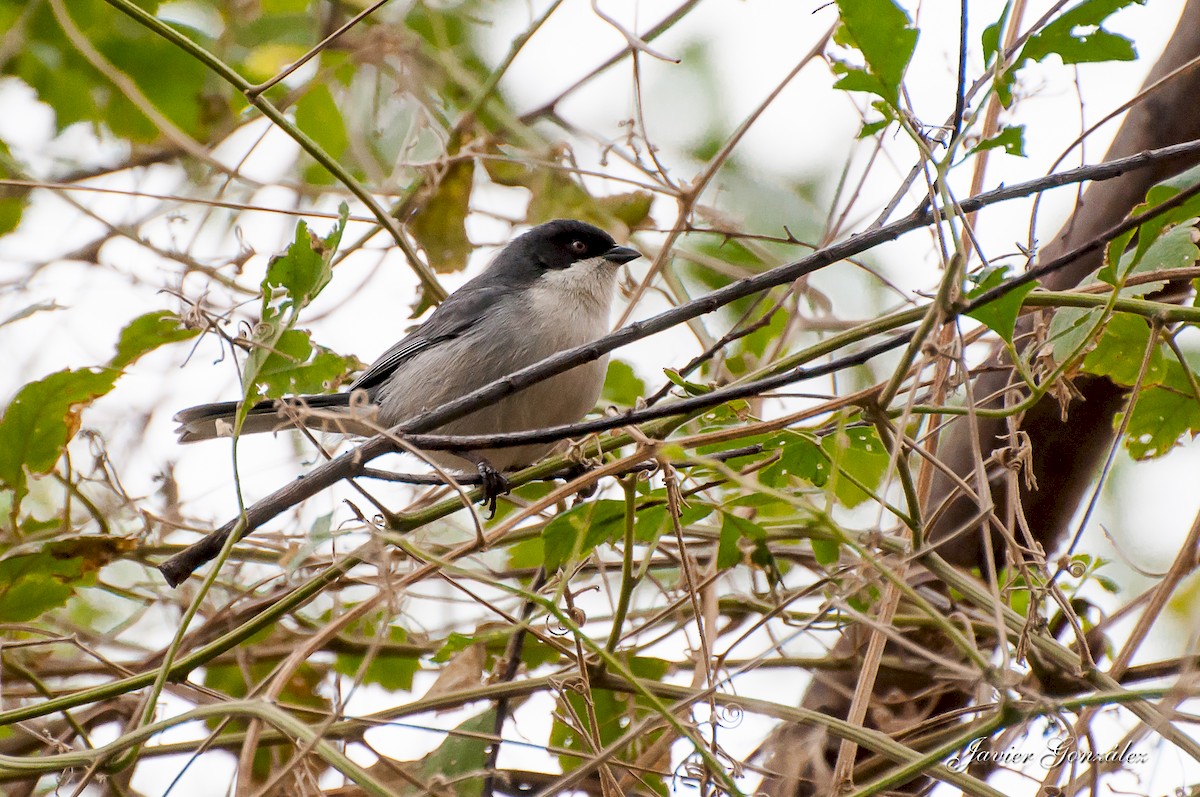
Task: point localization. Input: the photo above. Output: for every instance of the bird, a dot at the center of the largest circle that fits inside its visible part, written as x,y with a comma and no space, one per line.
549,290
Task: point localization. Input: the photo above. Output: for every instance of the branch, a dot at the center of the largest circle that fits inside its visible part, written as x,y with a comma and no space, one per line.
352,463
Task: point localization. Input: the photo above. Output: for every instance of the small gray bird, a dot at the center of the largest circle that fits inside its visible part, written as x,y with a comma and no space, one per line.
549,290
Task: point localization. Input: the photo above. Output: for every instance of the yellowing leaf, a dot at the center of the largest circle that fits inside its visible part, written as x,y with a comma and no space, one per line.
268,60
439,223
41,420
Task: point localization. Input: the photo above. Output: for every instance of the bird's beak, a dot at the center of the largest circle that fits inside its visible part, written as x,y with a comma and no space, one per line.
621,254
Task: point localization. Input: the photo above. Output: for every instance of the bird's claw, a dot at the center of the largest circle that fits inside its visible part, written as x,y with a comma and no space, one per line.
494,485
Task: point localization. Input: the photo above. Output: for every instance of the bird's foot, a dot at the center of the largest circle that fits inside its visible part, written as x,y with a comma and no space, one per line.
494,484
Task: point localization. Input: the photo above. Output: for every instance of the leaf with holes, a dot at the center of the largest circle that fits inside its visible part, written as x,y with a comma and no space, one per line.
883,33
1163,415
1121,349
859,458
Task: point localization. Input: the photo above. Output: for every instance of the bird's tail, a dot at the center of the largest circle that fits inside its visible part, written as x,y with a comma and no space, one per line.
335,412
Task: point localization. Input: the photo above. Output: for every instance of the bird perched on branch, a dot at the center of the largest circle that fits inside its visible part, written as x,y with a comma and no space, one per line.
547,291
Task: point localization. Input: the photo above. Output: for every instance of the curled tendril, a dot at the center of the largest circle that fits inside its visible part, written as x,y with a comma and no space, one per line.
689,769
571,683
729,715
693,770
555,627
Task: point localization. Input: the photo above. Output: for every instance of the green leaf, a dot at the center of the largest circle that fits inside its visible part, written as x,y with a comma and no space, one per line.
1120,350
318,117
729,552
296,277
1175,248
651,522
33,584
862,600
859,454
1164,413
555,194
631,209
691,388
146,62
990,39
273,7
534,653
1003,86
614,713
41,420
999,315
527,493
574,534
293,280
1071,328
303,688
1012,139
146,333
871,128
439,223
621,385
801,458
457,763
389,670
649,667
745,538
724,417
1078,36
748,352
884,34
826,552
856,79
612,718
298,366
13,199
177,85
1169,189
455,643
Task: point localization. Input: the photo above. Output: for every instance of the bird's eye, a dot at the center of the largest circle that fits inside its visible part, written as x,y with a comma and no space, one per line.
578,247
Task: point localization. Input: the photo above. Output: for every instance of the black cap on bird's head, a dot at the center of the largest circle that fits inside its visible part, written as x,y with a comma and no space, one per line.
560,244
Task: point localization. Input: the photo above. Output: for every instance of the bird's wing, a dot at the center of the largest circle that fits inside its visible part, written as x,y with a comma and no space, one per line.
459,312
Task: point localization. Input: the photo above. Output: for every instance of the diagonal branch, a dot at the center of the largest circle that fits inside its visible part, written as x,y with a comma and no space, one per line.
352,462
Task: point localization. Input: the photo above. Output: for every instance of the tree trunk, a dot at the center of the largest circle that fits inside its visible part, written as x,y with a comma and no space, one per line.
1064,456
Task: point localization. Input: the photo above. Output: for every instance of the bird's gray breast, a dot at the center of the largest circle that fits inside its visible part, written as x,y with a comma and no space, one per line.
515,335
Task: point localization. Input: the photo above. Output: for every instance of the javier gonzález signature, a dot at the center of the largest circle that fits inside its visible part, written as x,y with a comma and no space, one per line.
1057,753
